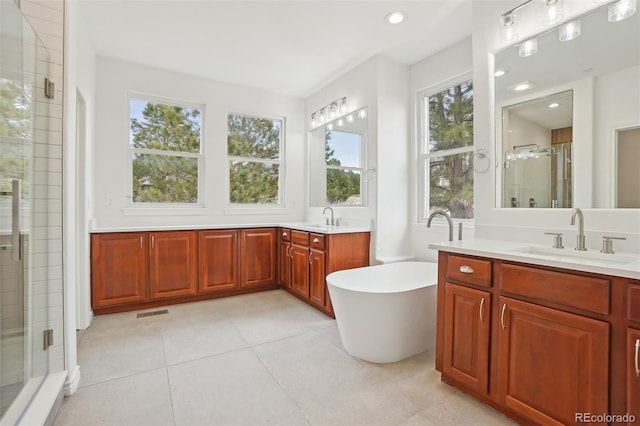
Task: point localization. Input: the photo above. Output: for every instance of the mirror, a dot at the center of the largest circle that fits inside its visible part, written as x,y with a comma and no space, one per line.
337,161
537,140
601,70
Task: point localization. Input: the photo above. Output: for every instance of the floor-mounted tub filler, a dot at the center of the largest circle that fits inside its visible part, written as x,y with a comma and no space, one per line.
386,313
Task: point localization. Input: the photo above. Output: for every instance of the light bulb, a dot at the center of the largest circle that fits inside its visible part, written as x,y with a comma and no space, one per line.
569,31
552,12
528,48
509,31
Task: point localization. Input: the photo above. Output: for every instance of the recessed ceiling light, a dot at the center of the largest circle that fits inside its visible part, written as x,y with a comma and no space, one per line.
520,87
553,105
499,73
395,17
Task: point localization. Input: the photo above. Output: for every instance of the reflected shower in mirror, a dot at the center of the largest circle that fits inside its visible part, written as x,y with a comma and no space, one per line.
537,142
337,161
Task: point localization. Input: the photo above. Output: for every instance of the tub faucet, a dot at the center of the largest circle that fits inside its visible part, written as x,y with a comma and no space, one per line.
331,210
580,239
446,216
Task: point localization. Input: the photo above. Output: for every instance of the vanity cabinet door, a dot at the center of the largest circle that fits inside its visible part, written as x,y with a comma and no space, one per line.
300,270
551,364
466,336
317,283
118,269
172,264
218,260
258,257
633,374
285,263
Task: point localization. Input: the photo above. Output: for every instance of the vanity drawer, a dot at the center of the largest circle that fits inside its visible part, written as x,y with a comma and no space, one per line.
575,291
317,241
633,302
472,271
285,234
300,238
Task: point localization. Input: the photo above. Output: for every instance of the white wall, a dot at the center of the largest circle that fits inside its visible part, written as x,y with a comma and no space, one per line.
616,106
524,224
451,63
382,86
116,80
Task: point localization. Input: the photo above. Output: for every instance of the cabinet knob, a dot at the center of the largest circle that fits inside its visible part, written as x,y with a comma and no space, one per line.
465,269
315,240
284,234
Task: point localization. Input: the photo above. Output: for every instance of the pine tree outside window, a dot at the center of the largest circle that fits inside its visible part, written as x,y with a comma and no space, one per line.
254,153
447,150
165,144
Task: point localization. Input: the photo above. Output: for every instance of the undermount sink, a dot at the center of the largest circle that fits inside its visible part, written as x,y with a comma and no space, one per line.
576,255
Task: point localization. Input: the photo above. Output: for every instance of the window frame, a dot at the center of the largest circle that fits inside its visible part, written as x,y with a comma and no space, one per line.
424,155
131,206
280,205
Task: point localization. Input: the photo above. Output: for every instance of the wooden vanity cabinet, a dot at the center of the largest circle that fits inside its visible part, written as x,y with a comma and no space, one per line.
551,364
118,268
466,336
173,264
313,256
218,261
551,347
258,257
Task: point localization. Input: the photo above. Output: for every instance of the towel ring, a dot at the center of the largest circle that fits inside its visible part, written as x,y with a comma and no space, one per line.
481,154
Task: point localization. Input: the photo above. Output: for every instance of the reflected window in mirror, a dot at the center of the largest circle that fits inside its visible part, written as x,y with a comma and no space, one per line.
337,161
446,120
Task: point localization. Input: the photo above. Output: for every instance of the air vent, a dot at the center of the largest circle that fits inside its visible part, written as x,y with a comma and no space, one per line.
152,313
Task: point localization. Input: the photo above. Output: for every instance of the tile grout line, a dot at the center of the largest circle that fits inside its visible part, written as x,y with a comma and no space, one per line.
166,370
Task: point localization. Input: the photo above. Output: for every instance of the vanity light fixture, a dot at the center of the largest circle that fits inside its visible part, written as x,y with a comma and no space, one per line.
552,12
395,17
528,48
329,112
509,27
570,31
622,9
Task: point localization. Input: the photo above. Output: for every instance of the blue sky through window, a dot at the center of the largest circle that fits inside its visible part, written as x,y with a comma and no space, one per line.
346,147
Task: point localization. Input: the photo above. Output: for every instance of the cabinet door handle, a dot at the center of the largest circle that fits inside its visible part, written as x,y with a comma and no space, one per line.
310,258
315,240
466,269
636,357
504,307
153,241
286,251
482,310
140,241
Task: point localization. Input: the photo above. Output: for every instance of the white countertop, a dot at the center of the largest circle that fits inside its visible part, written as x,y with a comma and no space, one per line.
619,264
303,226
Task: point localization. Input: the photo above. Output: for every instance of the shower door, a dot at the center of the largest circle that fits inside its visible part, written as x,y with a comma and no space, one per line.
23,214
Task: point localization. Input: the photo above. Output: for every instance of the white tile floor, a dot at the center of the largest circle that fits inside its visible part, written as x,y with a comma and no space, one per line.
264,358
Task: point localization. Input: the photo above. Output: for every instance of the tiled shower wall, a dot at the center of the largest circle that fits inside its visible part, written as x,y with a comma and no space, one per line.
47,19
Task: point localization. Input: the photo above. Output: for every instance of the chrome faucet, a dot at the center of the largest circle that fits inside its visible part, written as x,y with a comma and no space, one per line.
331,210
580,239
446,216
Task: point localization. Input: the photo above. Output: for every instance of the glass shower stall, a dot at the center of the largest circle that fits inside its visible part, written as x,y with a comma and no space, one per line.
24,205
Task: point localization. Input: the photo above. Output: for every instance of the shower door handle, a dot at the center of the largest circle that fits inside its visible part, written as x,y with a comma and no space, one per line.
15,220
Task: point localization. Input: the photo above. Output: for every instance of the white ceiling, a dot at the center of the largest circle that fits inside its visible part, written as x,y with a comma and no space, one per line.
289,47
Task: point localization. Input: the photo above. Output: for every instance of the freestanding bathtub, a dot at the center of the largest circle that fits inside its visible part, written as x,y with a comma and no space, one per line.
385,313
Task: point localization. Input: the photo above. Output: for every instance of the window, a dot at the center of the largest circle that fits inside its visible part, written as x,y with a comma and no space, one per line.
254,149
343,164
166,152
447,150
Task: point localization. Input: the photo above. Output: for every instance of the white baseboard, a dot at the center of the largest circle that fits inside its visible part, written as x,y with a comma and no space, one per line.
72,382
